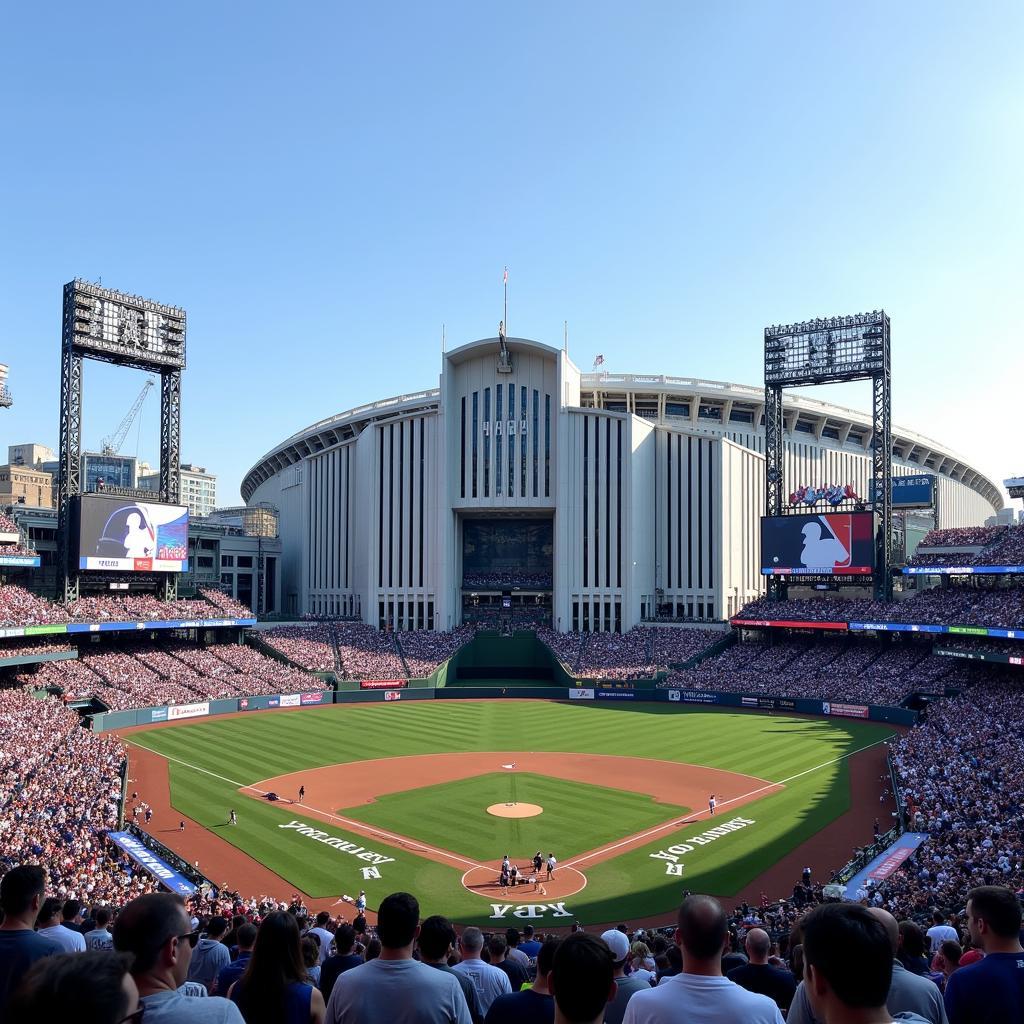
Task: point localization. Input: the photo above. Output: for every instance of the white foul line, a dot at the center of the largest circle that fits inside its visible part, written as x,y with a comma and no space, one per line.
355,825
694,817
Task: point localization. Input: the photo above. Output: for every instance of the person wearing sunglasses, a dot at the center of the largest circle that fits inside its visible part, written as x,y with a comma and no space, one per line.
157,931
94,987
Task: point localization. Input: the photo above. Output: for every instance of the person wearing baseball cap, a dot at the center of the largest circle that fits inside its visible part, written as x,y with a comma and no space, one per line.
618,943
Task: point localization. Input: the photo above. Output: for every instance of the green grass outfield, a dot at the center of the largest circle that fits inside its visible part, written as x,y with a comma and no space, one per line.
577,817
211,759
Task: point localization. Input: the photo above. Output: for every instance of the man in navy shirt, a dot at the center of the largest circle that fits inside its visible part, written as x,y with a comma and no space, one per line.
246,936
344,960
21,896
993,988
531,1005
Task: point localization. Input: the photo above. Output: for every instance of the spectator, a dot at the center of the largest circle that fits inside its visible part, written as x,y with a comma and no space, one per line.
211,955
757,975
489,982
437,943
311,958
89,988
907,993
946,961
342,960
581,980
498,948
530,946
515,952
700,992
618,945
993,988
51,927
273,989
246,936
21,896
533,1005
321,932
911,948
100,937
156,929
849,964
394,987
642,962
940,932
71,916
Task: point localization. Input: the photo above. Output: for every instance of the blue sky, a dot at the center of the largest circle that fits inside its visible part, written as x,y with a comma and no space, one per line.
321,186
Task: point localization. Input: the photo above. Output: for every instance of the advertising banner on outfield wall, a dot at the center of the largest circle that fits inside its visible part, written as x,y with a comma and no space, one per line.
844,710
179,711
581,693
158,714
393,695
312,698
382,684
616,694
290,700
697,697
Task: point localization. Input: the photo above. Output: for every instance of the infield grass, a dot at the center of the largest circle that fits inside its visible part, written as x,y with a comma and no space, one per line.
576,816
210,760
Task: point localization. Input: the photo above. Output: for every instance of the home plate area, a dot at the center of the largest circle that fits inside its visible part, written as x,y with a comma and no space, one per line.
484,880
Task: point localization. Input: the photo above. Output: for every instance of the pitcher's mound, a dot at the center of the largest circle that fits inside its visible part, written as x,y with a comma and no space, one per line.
515,810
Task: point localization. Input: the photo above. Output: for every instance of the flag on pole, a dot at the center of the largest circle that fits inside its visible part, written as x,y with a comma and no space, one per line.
505,278
598,361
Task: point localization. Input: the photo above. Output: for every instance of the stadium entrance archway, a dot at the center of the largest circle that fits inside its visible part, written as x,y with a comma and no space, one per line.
506,567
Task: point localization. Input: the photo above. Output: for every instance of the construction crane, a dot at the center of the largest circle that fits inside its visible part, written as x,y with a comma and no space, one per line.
112,444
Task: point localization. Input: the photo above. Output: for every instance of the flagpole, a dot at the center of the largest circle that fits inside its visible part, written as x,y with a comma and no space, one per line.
506,301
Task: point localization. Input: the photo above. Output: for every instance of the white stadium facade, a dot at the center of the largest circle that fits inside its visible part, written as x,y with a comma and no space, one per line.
524,487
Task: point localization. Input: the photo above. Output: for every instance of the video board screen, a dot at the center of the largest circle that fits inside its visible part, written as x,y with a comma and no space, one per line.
828,544
124,535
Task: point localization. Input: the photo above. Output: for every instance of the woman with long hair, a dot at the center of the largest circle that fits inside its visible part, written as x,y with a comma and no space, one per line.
274,988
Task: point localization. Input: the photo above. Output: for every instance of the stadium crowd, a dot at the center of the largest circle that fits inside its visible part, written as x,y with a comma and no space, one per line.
155,958
996,607
368,653
865,671
508,579
311,646
172,672
971,546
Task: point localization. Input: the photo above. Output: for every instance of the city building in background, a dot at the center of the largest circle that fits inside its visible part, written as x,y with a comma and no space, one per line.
198,488
35,456
22,485
108,469
6,401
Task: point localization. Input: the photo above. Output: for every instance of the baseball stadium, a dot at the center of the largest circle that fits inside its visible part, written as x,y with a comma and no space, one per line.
530,649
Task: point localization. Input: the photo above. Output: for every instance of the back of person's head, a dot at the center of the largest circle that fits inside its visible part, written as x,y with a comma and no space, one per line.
246,936
50,909
528,932
846,952
20,887
71,909
892,929
512,937
758,944
703,927
497,946
217,927
937,916
310,946
101,916
437,936
372,949
397,919
997,907
582,979
911,939
951,952
344,939
88,988
546,956
276,962
145,925
322,918
472,940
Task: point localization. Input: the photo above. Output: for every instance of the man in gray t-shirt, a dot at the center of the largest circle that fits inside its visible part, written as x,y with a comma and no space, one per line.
625,987
394,987
489,982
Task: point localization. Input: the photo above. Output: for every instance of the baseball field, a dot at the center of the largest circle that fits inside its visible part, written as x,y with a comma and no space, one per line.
429,796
